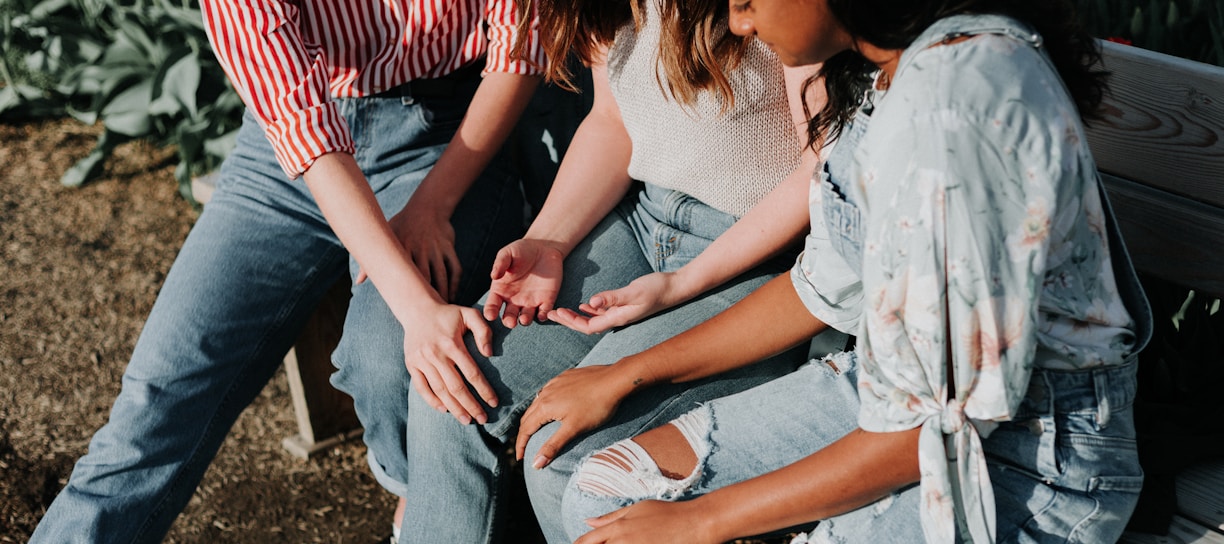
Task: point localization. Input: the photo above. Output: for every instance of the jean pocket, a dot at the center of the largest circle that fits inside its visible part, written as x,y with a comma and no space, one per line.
1092,462
844,224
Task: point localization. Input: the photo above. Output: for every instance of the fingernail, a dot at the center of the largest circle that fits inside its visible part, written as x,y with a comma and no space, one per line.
481,419
539,462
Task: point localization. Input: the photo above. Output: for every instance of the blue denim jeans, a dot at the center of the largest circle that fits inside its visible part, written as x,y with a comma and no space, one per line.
249,274
1065,470
456,474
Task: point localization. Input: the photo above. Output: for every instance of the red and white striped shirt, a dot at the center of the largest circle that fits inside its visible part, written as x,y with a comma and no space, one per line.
288,58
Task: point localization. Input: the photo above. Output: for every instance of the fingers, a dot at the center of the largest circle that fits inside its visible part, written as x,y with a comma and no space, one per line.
510,314
438,386
571,319
527,315
605,519
361,276
548,450
421,384
442,379
441,279
501,263
456,272
493,306
529,423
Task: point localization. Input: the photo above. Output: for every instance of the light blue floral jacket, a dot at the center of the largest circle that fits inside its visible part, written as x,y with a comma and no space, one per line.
969,207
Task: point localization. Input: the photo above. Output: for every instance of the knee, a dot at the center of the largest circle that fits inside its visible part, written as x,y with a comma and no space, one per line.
625,473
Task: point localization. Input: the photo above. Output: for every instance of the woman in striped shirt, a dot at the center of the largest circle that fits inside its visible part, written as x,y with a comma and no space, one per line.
351,110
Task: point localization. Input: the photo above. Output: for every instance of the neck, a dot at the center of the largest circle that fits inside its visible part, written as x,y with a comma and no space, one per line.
885,59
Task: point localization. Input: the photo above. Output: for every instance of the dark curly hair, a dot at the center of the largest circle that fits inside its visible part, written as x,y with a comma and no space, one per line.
895,24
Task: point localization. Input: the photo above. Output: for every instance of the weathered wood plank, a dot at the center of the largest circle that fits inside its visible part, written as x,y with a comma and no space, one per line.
323,413
1200,494
1163,123
1181,531
1170,236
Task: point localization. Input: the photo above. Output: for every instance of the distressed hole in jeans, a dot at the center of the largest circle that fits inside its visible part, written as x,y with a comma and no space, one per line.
625,469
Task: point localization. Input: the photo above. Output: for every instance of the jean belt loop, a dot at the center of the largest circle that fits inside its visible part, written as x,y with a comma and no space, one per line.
1100,381
1047,456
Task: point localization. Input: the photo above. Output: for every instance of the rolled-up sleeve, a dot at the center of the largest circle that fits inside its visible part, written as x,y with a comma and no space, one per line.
503,18
261,49
828,287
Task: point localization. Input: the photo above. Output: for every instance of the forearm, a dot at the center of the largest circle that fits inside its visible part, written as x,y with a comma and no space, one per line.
768,321
777,222
593,176
494,110
854,471
348,204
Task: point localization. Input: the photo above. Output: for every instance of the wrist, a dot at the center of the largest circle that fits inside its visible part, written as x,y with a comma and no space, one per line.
634,373
684,285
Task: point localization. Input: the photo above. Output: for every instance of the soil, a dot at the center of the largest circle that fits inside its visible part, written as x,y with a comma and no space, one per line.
79,272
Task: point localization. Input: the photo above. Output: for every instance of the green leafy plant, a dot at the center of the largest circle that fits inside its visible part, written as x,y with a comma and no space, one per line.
1191,29
142,68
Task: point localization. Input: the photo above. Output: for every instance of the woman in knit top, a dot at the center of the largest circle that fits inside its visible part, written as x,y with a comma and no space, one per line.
679,194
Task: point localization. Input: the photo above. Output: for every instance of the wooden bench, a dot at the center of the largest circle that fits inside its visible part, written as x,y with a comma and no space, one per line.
1160,149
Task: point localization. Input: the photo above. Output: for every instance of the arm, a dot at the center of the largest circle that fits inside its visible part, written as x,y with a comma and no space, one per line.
423,226
768,321
592,179
856,470
778,221
312,140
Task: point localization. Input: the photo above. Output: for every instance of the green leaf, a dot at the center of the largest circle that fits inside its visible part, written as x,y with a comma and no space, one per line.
8,99
47,8
128,112
221,146
123,52
85,169
178,86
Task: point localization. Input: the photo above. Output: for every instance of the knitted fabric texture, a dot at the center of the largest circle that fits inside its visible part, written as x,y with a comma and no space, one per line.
729,160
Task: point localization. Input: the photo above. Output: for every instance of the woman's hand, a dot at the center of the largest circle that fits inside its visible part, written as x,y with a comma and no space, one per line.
430,240
440,365
579,399
651,521
526,278
643,297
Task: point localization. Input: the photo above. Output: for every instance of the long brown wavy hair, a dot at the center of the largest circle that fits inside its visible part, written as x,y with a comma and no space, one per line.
696,50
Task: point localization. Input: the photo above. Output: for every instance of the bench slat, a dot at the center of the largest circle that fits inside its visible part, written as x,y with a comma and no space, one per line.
1163,124
1170,236
1181,531
1200,494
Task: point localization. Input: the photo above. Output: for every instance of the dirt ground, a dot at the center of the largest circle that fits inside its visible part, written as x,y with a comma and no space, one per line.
79,273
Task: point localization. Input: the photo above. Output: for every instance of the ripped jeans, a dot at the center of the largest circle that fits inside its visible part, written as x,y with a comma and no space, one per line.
748,434
1072,477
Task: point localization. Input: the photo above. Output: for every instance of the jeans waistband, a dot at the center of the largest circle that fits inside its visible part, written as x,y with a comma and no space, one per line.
1064,391
438,87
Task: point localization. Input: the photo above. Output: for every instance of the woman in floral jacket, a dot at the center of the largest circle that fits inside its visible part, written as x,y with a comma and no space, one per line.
989,396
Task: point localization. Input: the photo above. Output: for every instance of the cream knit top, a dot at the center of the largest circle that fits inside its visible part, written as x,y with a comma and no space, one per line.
728,160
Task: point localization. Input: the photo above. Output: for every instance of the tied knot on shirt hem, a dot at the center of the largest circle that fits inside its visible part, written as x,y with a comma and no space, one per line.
952,418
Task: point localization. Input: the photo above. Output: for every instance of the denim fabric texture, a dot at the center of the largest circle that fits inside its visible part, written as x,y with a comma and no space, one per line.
1064,471
249,274
458,472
